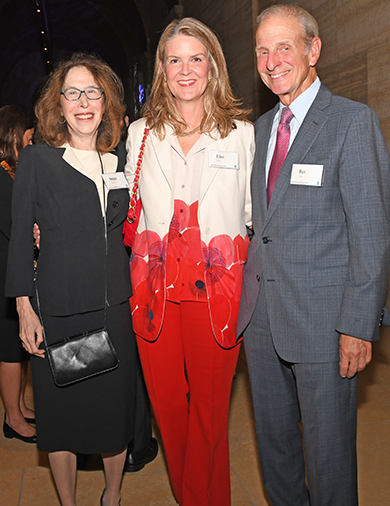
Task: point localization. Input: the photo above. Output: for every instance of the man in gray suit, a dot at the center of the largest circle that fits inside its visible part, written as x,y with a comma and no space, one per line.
316,275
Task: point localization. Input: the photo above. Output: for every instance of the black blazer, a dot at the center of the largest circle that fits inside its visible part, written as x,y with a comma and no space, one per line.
72,263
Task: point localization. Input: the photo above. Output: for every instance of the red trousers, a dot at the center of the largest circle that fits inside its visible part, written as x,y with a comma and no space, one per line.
189,378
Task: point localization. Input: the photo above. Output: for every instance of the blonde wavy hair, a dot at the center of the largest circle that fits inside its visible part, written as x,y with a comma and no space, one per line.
51,128
221,108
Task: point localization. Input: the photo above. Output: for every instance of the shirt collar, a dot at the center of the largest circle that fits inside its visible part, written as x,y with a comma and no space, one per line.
202,143
300,106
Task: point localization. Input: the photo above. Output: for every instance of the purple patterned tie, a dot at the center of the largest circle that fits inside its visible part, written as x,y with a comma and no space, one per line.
280,153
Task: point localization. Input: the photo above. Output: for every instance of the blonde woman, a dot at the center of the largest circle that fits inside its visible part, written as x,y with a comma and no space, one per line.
189,252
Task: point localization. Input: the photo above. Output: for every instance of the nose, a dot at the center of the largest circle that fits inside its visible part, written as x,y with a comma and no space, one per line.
273,60
83,100
185,68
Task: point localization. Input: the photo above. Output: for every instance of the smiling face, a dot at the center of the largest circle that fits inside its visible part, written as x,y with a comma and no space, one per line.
283,62
187,69
83,116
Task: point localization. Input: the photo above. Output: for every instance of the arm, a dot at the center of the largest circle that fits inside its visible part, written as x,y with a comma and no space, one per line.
248,197
5,203
130,165
20,268
365,187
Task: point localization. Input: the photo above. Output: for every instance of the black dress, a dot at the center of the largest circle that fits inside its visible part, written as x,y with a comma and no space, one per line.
11,349
97,414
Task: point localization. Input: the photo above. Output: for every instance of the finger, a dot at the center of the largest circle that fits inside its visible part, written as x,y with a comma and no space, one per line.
352,369
39,354
343,367
365,356
37,351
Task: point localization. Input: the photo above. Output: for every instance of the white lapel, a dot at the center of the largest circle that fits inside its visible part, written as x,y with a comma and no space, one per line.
213,142
162,150
110,161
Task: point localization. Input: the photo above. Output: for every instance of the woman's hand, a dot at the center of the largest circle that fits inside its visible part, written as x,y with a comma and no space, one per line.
30,328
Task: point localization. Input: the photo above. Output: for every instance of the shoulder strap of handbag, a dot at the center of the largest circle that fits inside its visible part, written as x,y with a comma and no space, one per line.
134,192
105,282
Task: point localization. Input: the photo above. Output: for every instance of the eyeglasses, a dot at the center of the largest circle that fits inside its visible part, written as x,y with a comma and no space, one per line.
73,94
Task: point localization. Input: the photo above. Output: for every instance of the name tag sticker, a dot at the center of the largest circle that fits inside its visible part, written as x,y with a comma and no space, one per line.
307,175
223,159
115,180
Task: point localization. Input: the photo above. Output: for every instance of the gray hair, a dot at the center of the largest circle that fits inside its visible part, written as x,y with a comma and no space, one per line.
308,23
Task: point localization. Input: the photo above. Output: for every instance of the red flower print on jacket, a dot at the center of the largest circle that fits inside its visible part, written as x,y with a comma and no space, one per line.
181,266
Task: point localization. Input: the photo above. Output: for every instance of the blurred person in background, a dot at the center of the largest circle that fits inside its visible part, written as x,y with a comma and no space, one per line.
16,131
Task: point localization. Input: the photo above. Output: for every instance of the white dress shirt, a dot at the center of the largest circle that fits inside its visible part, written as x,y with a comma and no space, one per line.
299,107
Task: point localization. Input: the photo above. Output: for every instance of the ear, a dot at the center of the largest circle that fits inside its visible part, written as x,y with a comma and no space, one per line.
315,51
162,67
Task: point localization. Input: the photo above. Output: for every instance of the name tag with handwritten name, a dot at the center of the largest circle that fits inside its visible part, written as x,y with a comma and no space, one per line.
115,180
307,175
223,159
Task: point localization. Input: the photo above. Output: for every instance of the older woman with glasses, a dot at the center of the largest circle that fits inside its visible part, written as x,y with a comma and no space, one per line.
82,275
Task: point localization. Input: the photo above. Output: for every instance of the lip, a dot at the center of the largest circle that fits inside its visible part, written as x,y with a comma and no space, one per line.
84,116
187,83
279,75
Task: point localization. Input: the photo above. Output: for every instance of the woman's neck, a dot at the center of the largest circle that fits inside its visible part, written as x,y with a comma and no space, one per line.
192,114
86,144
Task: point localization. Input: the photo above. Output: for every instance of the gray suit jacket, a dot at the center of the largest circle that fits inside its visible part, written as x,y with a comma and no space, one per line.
321,254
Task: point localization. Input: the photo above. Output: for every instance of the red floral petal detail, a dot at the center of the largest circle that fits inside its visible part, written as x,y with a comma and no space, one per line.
139,271
146,312
172,269
241,248
224,244
193,222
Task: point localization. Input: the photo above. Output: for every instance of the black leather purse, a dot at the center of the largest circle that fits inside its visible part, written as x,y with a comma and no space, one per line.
83,356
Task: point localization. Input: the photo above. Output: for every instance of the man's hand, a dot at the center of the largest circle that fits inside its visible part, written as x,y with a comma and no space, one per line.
355,354
30,328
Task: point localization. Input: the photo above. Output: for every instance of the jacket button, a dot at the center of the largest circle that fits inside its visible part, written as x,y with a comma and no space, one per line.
266,240
115,203
257,277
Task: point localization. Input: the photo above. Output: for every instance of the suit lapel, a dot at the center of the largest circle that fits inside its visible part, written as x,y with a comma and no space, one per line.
162,150
306,136
209,173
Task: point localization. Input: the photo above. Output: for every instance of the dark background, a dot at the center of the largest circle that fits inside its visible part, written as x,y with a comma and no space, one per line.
36,34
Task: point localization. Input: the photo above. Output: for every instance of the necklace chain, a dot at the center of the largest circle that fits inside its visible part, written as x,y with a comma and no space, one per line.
187,134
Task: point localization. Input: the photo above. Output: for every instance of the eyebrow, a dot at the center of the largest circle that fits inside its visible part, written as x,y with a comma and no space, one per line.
192,56
282,43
